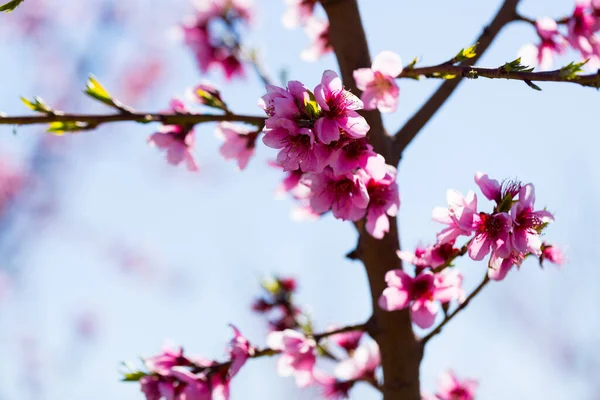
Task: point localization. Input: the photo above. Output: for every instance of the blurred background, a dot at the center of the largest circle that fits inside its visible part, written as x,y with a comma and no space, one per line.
106,250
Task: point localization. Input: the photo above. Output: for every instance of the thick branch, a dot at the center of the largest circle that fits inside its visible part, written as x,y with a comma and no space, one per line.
167,119
467,71
461,307
506,14
401,352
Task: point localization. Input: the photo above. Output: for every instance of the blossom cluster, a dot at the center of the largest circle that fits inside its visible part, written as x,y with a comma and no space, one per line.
452,388
322,139
581,35
509,233
172,375
278,301
301,12
211,34
178,140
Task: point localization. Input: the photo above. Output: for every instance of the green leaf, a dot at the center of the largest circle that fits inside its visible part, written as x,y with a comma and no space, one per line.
210,99
11,5
96,90
571,70
412,63
133,376
37,105
271,285
516,66
312,107
465,54
61,127
533,85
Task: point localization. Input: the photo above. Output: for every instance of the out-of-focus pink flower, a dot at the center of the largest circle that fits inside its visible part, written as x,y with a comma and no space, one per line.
451,388
429,257
207,94
361,365
498,267
298,12
422,291
347,340
239,351
140,77
176,140
297,355
333,388
581,27
339,110
163,363
378,83
492,231
345,195
527,223
384,201
551,253
551,43
211,44
318,32
459,216
239,143
12,182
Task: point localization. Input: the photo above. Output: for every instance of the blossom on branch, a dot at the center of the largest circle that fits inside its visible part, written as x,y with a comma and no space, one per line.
297,355
176,140
239,143
451,388
552,43
318,32
378,83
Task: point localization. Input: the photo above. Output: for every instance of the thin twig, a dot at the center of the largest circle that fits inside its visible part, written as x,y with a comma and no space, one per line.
439,328
467,71
506,14
167,119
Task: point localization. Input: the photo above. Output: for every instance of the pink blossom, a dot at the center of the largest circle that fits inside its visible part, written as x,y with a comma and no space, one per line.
459,216
207,94
333,388
239,143
351,154
298,148
339,110
528,223
422,291
347,340
384,202
552,254
297,355
361,365
176,140
155,389
298,12
378,83
194,386
430,257
164,362
552,43
581,26
496,191
345,195
451,388
492,231
500,266
240,350
318,32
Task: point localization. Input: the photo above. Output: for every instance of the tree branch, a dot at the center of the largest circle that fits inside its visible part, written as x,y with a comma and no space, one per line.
400,350
167,119
448,318
467,71
506,14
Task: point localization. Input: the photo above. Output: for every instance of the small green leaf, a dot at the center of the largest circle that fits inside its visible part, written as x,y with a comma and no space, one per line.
210,98
133,376
571,70
465,54
11,5
271,285
444,75
516,66
533,85
61,127
37,105
312,107
96,90
412,63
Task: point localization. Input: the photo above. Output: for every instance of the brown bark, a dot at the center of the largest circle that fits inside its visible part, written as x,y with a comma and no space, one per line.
400,350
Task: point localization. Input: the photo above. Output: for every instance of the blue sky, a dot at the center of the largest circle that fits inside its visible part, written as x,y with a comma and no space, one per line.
209,237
